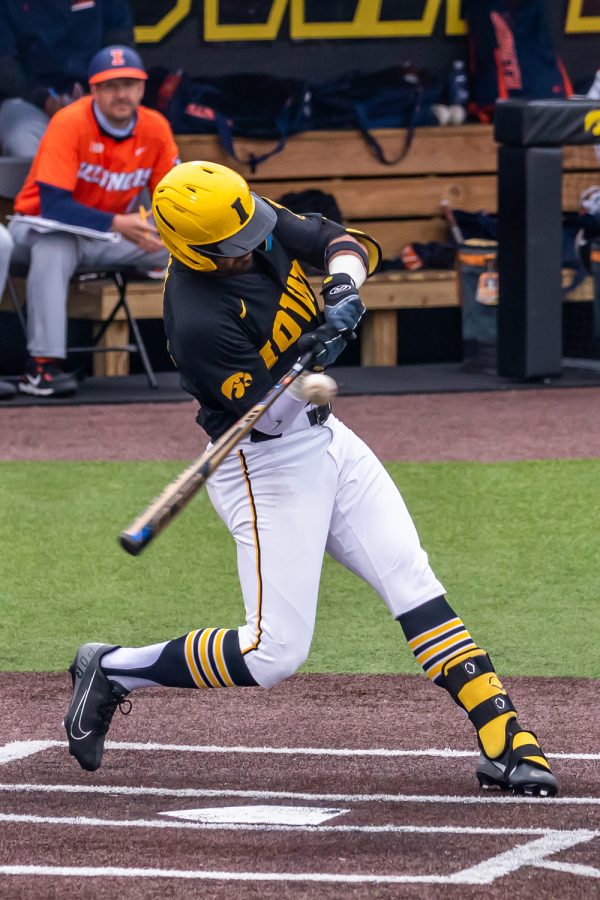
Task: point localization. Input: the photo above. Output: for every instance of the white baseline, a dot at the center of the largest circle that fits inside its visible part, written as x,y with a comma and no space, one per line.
21,749
191,793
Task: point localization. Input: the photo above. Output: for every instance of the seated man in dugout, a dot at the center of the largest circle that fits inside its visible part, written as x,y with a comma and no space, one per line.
98,154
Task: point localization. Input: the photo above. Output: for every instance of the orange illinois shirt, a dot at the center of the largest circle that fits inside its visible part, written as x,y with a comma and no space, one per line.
100,171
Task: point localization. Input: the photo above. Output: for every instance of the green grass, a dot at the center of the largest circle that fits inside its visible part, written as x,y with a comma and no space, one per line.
516,545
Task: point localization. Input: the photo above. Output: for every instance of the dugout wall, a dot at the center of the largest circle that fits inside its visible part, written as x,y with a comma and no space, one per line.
532,135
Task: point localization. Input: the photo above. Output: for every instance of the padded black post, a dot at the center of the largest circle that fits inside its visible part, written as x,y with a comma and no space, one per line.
529,262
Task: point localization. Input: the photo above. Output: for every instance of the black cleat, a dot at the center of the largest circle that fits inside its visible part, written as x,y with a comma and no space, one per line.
522,769
92,706
46,379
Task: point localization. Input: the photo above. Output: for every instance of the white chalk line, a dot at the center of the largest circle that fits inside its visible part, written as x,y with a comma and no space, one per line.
22,749
384,752
125,790
533,853
445,753
570,868
205,875
530,854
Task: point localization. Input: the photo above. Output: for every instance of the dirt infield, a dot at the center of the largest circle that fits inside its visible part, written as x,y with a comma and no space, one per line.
325,786
387,761
532,424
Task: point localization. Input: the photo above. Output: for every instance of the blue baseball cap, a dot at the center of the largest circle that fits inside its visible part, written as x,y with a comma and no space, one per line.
116,62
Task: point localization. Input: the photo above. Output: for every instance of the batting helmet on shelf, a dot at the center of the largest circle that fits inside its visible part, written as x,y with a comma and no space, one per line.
204,210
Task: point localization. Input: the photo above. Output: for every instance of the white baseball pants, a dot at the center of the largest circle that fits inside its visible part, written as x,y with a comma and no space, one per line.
22,125
286,502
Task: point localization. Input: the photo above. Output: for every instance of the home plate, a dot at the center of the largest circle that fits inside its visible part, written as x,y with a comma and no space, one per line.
257,815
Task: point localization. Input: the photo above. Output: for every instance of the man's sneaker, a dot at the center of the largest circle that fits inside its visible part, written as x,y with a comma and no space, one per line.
522,768
92,707
46,379
7,390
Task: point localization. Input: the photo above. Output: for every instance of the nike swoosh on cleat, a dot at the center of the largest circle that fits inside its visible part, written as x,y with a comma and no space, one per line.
29,387
78,715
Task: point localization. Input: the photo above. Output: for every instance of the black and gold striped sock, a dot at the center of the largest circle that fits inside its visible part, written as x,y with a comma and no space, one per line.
214,659
452,659
205,658
435,634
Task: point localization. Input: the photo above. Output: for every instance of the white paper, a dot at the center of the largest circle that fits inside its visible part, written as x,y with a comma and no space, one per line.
38,223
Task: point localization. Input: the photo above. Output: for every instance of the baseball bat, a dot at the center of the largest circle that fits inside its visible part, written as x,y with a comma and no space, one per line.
457,235
163,509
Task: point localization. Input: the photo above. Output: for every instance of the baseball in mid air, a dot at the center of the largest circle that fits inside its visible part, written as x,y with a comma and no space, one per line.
318,388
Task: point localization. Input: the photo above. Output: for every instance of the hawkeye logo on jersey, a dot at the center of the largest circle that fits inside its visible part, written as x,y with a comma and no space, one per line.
113,181
235,386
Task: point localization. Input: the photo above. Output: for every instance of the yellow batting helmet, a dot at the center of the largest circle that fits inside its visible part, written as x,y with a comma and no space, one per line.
204,210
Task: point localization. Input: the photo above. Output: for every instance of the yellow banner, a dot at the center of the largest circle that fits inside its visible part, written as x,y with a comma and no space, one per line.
153,34
578,22
365,23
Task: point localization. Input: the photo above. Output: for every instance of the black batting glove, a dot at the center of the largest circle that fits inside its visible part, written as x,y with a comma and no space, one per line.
325,343
343,307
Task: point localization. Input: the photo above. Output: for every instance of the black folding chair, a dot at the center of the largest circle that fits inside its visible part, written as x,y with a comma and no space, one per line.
13,171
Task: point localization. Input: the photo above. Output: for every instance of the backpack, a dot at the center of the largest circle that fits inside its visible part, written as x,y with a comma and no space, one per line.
245,105
511,54
311,201
396,97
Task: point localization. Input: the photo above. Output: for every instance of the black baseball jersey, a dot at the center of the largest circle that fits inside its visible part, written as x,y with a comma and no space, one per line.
233,336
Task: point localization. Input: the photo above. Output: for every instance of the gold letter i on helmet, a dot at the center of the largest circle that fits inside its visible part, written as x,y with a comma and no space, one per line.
237,205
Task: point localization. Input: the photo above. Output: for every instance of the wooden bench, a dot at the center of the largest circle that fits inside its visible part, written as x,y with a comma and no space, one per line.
383,295
397,204
93,300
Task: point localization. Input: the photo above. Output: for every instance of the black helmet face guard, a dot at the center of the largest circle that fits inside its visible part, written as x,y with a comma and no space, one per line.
248,238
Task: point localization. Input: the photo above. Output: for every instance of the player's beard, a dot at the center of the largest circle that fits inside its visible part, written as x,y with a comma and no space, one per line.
235,265
121,113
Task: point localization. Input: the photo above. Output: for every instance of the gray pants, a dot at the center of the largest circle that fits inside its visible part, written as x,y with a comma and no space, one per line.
21,127
6,245
52,259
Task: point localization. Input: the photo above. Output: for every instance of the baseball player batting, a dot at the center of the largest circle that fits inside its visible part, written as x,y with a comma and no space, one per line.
239,312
